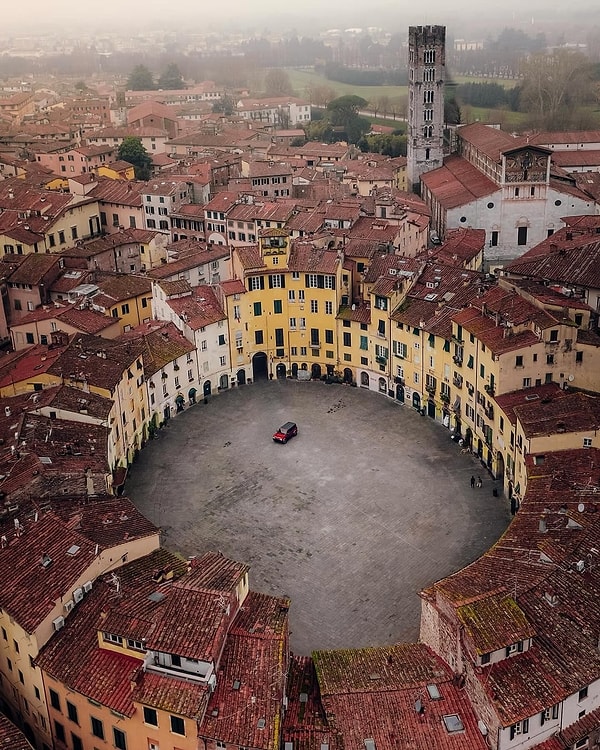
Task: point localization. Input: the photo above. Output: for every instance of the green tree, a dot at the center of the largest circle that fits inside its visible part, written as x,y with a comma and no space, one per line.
225,105
277,83
554,82
140,79
132,150
171,78
343,114
452,114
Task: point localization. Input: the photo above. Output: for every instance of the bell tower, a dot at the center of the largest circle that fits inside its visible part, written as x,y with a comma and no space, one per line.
426,78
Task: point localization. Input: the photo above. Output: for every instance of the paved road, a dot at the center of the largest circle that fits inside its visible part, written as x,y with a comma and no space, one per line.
367,505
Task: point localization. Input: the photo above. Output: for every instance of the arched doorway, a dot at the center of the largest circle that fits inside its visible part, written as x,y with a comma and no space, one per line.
468,437
260,366
431,408
295,370
479,447
241,377
280,370
315,371
224,382
416,401
207,388
382,385
364,380
348,375
500,466
192,395
457,424
400,393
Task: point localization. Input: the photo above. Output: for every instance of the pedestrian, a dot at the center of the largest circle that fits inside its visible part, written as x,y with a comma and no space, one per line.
479,481
472,482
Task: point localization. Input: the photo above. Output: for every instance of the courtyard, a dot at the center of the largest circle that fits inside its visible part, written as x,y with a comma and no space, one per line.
370,503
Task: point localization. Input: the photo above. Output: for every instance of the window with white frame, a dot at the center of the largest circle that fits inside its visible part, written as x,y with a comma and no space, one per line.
400,349
291,295
520,727
549,714
314,306
328,308
223,361
301,296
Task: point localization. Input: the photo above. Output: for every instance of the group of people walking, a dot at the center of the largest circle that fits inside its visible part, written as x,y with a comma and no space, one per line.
478,483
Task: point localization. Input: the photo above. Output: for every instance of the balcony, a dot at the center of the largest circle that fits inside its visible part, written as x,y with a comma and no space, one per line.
457,361
381,360
489,389
489,411
457,381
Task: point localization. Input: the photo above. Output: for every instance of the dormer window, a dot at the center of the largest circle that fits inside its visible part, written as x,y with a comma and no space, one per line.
110,638
514,648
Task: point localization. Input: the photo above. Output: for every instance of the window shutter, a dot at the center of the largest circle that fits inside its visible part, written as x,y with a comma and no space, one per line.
321,281
262,282
270,282
306,280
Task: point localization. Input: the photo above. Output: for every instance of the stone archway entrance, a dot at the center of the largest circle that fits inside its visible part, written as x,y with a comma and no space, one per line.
348,375
280,370
260,366
241,377
315,371
500,466
207,388
295,370
416,401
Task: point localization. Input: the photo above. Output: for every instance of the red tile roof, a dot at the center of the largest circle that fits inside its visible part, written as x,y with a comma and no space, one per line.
200,310
372,693
249,712
458,183
170,694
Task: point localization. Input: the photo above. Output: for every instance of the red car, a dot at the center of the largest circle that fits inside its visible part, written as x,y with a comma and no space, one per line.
285,432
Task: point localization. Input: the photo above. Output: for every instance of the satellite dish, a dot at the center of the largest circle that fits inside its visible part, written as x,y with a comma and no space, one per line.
581,507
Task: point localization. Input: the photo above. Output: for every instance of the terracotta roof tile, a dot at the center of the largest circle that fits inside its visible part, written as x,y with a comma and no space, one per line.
494,622
457,183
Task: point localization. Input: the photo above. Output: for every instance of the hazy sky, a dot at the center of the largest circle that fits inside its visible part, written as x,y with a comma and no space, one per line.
25,14
268,13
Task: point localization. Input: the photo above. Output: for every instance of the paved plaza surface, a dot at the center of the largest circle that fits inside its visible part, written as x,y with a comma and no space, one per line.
370,503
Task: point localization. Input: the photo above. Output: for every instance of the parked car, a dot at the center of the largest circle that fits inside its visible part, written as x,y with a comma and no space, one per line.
285,432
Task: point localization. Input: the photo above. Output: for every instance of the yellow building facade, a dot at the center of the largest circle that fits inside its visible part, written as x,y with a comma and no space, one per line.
287,316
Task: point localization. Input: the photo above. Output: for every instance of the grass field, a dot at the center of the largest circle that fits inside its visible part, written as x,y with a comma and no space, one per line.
302,78
508,119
